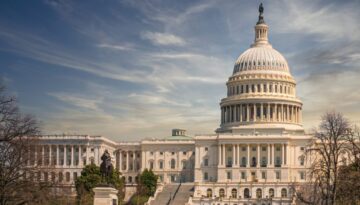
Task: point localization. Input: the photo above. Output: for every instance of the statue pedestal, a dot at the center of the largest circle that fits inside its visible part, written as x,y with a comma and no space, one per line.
105,196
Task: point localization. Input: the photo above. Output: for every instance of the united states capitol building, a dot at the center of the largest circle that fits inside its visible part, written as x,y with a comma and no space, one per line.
254,156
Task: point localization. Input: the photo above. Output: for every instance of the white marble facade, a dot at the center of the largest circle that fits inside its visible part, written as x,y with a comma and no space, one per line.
253,158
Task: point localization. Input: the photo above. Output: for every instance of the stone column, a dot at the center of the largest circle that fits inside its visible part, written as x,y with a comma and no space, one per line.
282,113
120,160
272,154
219,155
72,156
127,161
261,112
287,113
134,160
50,155
254,114
248,155
234,155
275,115
79,156
87,155
65,160
42,155
268,112
57,155
247,113
268,155
222,115
283,155
258,155
240,112
223,155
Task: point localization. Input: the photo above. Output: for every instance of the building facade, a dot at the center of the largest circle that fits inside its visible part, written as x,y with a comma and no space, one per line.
254,157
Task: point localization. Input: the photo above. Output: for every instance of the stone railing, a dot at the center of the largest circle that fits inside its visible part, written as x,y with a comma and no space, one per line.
152,198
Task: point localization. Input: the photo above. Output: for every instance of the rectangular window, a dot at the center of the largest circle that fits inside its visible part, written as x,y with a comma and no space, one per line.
263,149
206,162
277,175
253,148
184,153
263,175
302,148
151,153
243,149
278,148
161,165
243,175
172,153
206,149
228,175
161,153
206,176
302,175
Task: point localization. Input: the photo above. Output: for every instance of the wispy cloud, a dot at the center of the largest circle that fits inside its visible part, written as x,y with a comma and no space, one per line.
126,47
163,38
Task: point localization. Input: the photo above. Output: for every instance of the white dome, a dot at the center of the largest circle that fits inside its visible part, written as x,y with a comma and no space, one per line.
261,58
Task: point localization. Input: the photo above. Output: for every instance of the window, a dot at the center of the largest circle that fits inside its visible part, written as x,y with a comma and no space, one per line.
229,149
172,153
302,160
60,176
302,148
302,175
253,162
161,178
130,179
206,149
277,162
206,176
151,153
278,148
263,162
277,173
206,162
271,193
161,153
228,174
183,164
243,161
74,176
258,193
283,192
263,149
246,193
151,165
222,193
209,193
243,149
161,165
234,193
184,153
263,175
172,164
254,149
243,175
67,176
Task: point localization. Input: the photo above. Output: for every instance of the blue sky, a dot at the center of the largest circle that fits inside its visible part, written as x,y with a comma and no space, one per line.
133,69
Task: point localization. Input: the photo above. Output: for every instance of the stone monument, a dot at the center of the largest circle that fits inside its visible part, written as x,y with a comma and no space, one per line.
105,194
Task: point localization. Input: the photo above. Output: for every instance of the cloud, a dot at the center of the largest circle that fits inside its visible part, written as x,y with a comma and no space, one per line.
126,47
163,38
77,100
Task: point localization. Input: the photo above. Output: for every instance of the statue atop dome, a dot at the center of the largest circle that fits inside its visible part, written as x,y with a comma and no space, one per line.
261,16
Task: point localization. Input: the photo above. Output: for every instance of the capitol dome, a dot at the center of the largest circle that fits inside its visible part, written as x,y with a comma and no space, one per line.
261,58
261,92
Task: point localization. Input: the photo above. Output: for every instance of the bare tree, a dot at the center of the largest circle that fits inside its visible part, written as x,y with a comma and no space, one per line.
325,151
19,180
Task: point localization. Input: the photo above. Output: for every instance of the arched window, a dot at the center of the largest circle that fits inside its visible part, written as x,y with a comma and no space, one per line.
172,164
283,192
277,162
67,175
130,179
246,193
222,193
209,193
258,193
161,164
183,164
271,193
234,193
206,176
60,176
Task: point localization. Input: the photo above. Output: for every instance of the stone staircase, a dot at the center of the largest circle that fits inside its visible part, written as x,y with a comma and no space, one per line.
181,197
163,197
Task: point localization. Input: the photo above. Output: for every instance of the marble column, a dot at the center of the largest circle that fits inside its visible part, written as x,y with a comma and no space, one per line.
254,114
72,156
223,155
268,155
261,112
127,161
57,155
234,155
247,112
65,160
80,161
50,155
219,155
248,155
241,112
258,155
